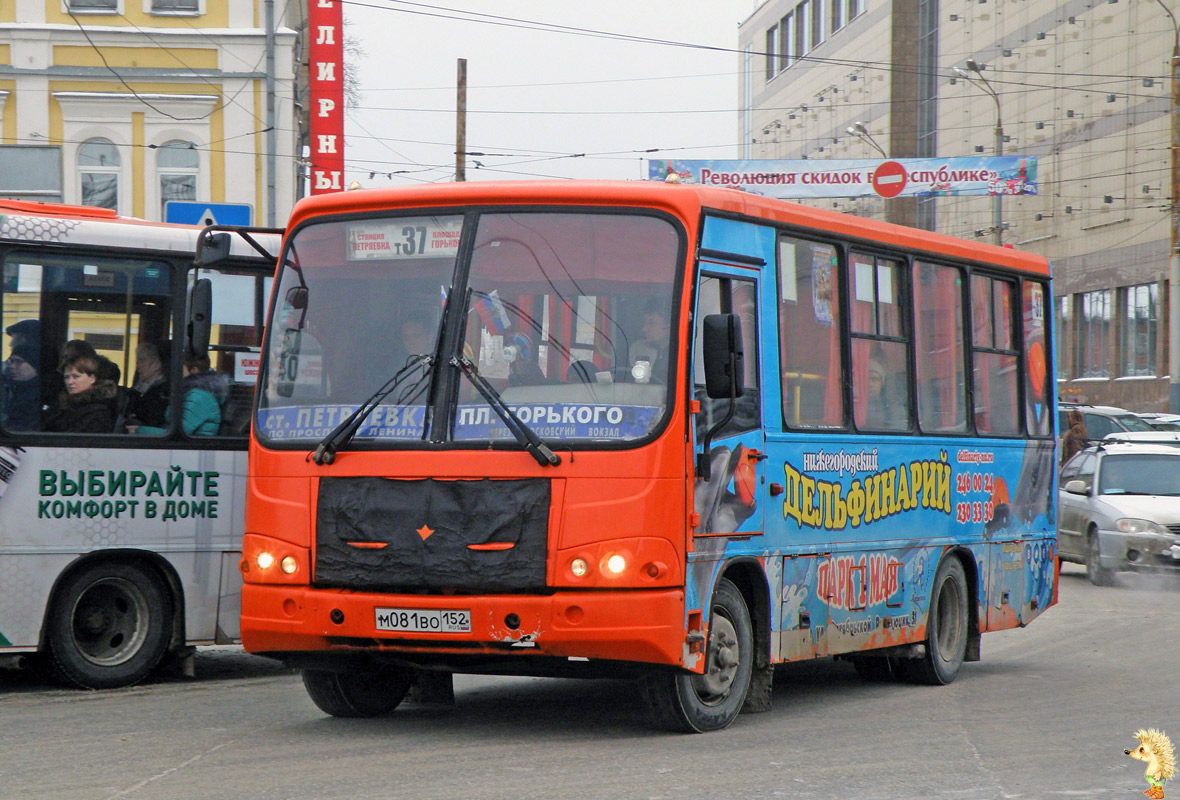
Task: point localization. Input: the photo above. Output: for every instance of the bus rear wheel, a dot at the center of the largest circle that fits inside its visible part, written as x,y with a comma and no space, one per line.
357,694
690,703
109,626
947,629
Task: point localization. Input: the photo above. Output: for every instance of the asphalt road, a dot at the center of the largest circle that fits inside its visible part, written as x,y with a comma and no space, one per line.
1047,713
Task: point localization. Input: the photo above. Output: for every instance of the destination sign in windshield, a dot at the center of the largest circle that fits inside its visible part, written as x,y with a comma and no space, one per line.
411,237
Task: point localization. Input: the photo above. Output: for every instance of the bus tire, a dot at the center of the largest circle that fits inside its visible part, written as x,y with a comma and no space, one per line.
357,694
688,703
947,628
109,625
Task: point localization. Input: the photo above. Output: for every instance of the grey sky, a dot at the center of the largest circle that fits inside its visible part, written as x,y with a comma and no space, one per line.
533,96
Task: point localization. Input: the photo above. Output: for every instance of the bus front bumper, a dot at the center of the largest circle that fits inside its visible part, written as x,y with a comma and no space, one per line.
639,626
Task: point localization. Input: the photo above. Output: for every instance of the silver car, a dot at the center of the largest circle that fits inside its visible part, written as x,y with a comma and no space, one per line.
1120,509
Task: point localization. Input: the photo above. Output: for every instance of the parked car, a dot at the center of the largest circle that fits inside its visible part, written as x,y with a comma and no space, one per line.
1145,437
1120,509
1101,420
1160,421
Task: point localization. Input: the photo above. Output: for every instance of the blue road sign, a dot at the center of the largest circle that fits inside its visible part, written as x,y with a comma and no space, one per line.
190,213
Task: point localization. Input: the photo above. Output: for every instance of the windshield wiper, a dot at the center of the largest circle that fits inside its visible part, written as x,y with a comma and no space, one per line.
325,452
523,433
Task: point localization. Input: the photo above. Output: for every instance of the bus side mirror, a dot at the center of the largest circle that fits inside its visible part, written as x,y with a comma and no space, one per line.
212,248
723,356
200,319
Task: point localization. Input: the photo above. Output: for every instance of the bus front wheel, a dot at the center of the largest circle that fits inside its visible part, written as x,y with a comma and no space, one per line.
690,703
357,694
109,626
947,628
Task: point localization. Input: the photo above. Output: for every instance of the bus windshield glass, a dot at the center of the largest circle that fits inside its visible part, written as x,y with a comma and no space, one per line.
565,314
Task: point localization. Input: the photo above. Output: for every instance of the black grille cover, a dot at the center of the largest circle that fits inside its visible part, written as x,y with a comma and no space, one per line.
438,535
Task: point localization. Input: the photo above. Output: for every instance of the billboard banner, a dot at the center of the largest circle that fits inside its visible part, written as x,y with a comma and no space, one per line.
902,177
325,23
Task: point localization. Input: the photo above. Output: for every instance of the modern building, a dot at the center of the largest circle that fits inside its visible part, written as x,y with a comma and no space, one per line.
1081,85
127,104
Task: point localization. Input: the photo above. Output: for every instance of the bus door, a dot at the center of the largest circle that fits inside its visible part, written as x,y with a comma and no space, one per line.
731,502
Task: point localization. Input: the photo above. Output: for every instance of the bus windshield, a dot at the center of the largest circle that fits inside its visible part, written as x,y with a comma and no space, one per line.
566,314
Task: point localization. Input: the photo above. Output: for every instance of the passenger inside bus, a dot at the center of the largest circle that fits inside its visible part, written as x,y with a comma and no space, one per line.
205,393
26,331
147,399
883,408
416,339
85,404
650,354
107,376
22,389
522,362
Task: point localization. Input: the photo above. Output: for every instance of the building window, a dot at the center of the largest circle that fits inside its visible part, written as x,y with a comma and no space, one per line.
855,8
817,22
786,38
1064,329
98,169
802,29
1137,350
175,6
111,6
1093,334
838,10
177,164
772,52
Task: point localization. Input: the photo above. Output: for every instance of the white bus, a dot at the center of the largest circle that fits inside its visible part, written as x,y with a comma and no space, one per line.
120,519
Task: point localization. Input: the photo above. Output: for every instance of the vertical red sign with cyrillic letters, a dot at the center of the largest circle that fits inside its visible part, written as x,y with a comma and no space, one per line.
325,21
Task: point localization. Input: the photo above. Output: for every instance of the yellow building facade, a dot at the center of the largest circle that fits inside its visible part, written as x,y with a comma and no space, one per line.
128,104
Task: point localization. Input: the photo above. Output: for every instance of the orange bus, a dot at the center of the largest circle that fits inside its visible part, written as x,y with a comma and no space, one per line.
671,433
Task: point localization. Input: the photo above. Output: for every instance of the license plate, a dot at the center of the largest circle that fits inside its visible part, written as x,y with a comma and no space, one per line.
420,620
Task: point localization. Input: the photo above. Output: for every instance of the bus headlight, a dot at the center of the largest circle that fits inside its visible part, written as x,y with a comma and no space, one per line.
616,564
267,560
579,567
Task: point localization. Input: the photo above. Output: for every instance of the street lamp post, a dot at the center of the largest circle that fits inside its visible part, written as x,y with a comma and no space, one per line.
859,130
998,206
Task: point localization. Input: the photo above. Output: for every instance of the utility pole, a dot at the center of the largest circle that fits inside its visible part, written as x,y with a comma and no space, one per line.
1174,263
271,137
461,123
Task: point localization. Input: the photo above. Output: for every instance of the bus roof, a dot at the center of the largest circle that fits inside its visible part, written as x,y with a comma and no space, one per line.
22,221
686,200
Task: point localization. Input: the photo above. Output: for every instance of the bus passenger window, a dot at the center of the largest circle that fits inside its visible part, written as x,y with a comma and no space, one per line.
880,371
809,334
235,343
1036,367
97,310
995,366
941,348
